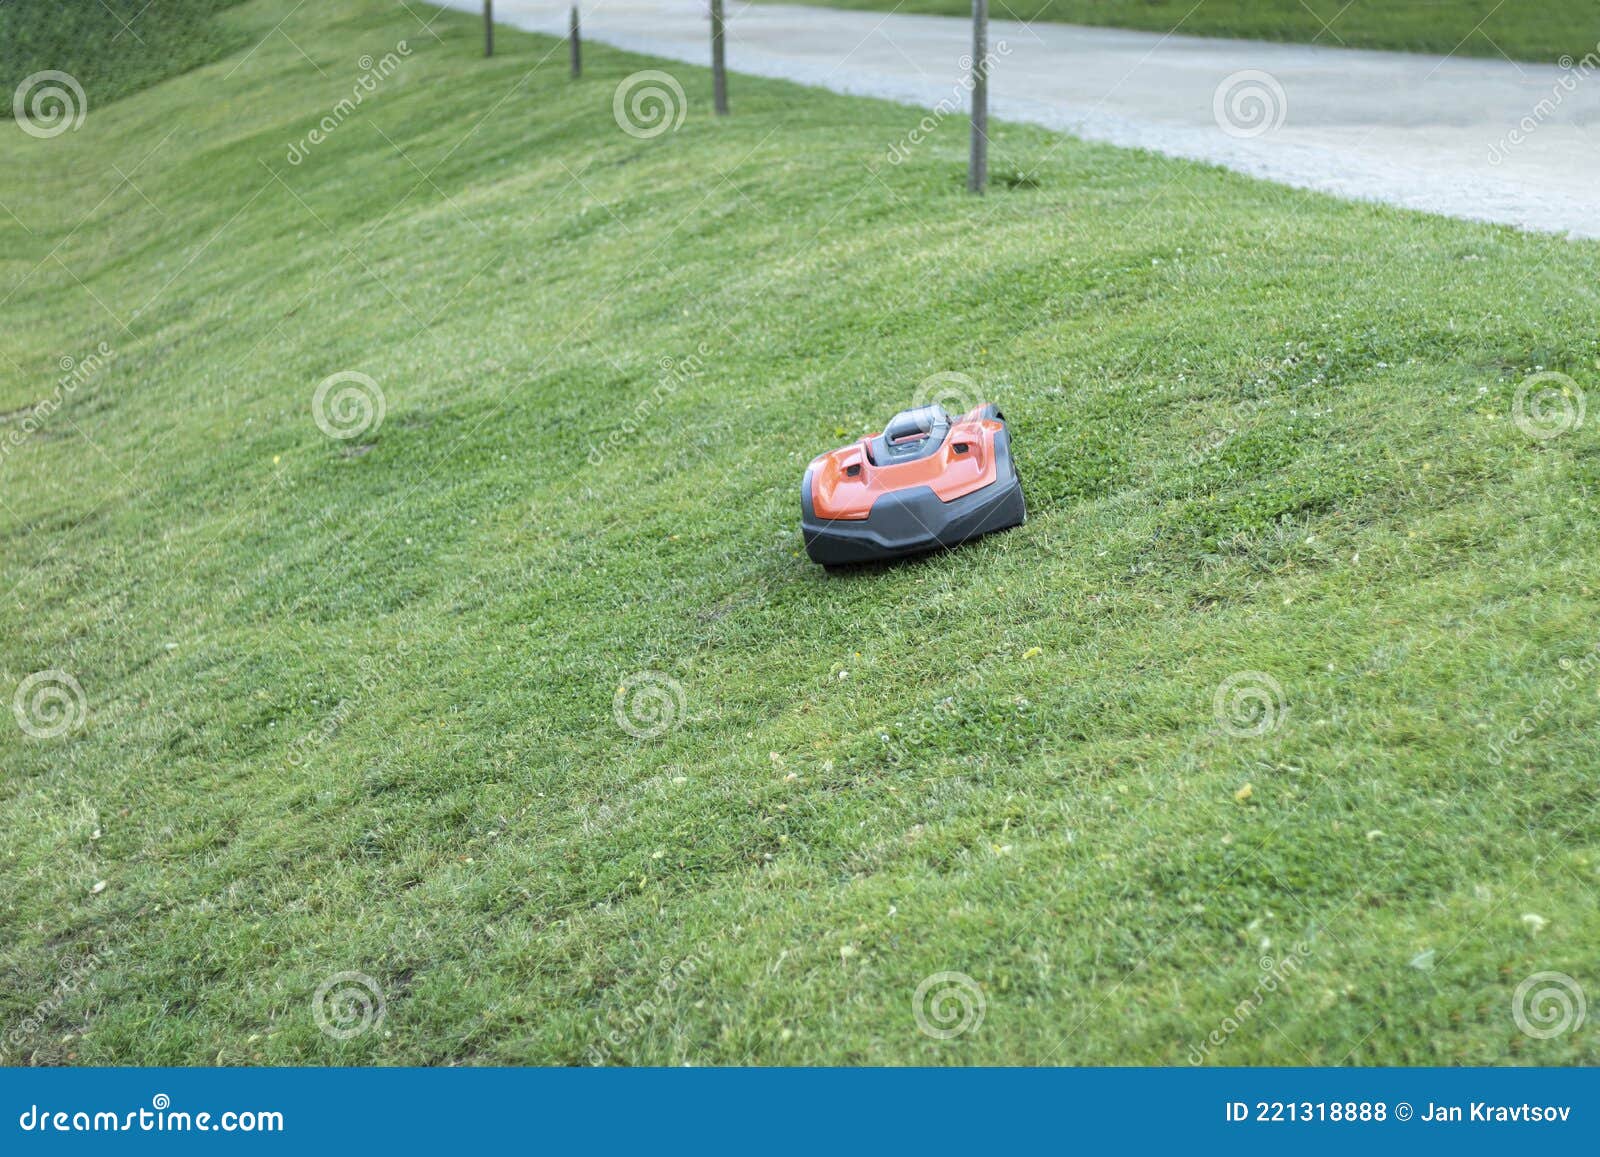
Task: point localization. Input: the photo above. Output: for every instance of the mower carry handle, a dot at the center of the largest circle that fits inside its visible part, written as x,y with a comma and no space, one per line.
923,420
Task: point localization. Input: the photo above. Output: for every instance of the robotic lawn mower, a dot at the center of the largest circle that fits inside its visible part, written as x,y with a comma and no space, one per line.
928,481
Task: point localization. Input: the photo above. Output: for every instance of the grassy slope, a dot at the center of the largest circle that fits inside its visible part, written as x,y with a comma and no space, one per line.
111,47
1260,430
1464,27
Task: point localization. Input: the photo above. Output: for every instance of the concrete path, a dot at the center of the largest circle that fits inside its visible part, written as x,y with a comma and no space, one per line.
1482,139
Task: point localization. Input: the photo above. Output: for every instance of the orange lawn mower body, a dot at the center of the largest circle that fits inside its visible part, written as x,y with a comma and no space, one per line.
927,481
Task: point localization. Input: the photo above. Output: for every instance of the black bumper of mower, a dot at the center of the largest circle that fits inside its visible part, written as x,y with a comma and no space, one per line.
914,520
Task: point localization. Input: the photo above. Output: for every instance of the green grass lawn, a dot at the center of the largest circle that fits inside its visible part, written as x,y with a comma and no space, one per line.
348,703
112,47
1496,28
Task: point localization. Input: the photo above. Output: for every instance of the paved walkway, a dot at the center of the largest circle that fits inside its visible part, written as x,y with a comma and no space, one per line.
1430,133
